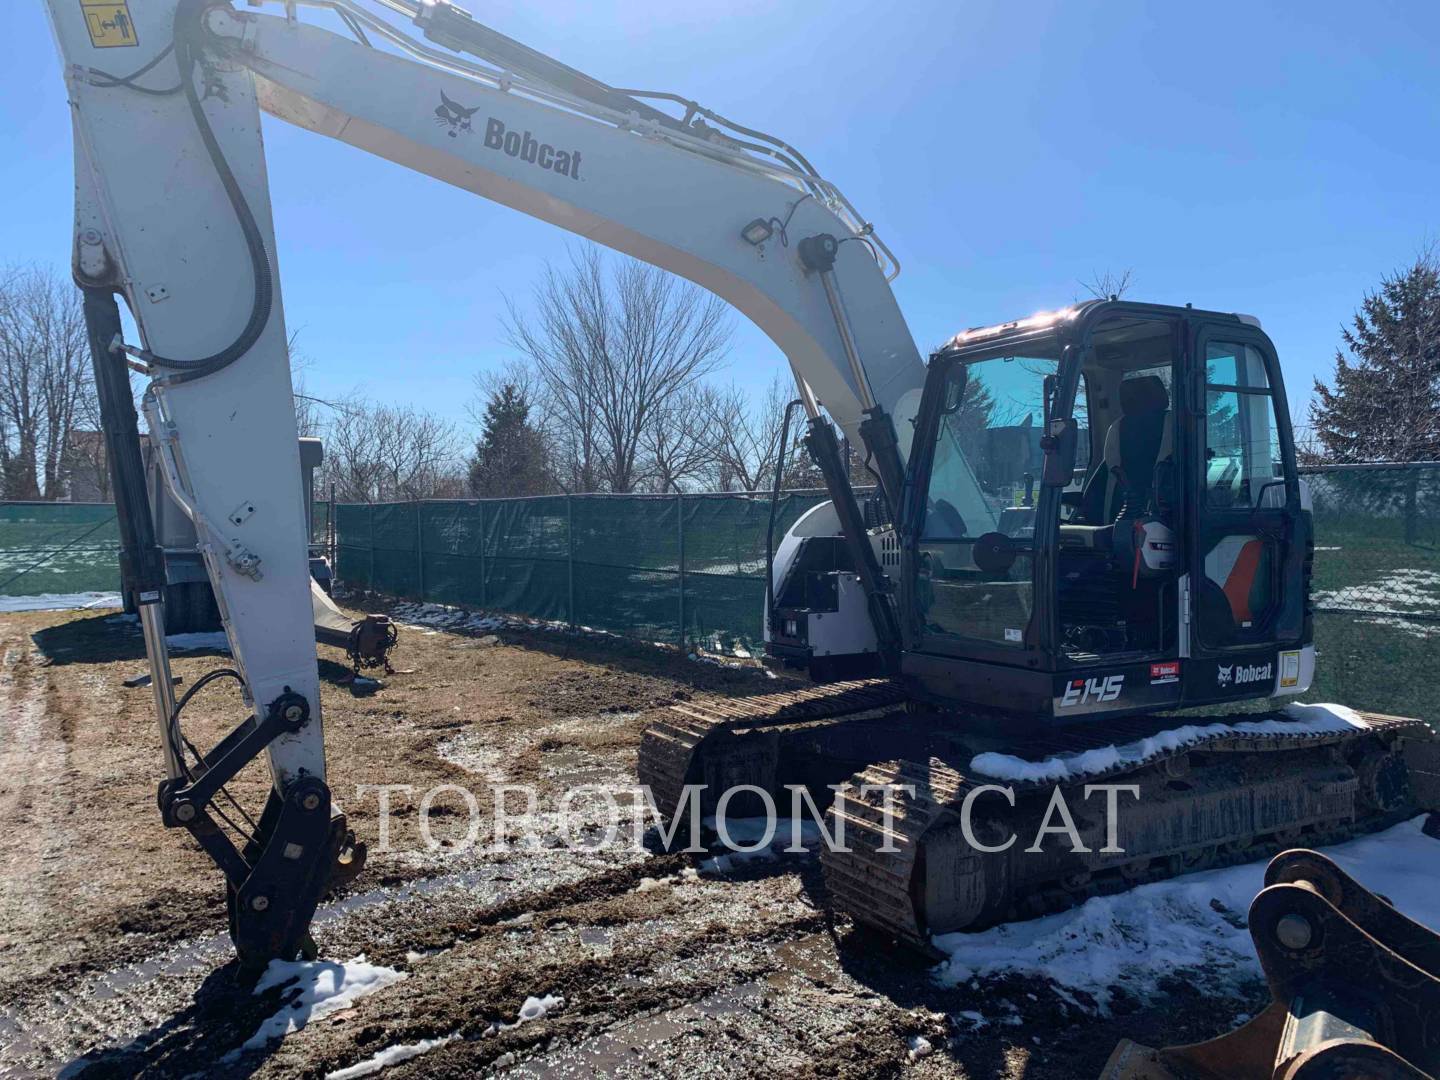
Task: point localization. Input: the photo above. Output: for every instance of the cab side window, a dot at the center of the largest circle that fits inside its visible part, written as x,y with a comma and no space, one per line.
1242,440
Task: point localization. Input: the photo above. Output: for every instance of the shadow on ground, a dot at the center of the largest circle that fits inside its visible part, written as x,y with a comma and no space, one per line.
223,1014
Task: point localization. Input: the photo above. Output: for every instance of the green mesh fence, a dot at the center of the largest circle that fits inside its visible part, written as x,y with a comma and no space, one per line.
54,548
692,568
666,568
58,548
321,518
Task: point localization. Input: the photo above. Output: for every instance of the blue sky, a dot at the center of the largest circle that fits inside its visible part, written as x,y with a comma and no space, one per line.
1271,158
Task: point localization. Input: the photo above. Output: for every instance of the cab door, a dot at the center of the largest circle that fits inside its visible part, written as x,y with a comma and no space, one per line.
1249,536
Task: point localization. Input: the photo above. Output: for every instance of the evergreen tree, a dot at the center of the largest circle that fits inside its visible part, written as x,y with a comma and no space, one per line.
510,458
1385,401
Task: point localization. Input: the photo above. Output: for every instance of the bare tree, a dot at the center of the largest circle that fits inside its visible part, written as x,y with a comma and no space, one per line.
679,443
1109,284
613,346
380,453
309,410
747,436
87,461
46,382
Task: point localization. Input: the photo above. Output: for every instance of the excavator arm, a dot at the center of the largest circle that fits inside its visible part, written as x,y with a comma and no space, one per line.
173,213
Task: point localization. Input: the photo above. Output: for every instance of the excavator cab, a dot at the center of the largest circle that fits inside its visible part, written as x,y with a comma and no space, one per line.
1104,516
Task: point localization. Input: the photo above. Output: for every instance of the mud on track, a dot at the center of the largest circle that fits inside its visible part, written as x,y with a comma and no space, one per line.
114,959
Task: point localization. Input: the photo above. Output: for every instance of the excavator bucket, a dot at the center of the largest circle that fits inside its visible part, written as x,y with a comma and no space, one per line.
1355,989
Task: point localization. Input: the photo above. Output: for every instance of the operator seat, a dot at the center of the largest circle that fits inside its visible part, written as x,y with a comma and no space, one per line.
1133,445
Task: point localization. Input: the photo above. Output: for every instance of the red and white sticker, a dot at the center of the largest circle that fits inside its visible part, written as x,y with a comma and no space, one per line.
1167,671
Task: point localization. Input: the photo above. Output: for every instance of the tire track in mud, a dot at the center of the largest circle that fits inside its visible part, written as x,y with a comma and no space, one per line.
141,1008
678,957
681,952
36,844
646,973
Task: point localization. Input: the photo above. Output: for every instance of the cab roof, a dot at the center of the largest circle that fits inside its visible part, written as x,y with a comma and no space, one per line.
1078,314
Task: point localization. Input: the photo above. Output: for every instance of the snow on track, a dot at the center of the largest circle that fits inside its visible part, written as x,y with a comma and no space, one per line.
1304,720
1194,923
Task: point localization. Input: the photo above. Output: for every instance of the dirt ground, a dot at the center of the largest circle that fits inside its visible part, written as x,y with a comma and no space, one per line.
114,959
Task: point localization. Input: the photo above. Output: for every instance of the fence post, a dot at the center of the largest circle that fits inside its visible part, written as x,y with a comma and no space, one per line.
570,561
680,532
481,505
1412,491
420,549
370,585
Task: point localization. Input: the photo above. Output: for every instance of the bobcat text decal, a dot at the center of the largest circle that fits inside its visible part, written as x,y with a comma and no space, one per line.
527,148
517,144
1241,674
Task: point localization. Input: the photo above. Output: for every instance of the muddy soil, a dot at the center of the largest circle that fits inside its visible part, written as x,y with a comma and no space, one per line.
114,959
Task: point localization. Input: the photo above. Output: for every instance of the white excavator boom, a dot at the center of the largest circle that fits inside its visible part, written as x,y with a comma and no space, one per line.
173,212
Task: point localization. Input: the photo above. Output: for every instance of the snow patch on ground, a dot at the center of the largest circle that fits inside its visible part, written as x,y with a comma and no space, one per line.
320,988
1194,923
213,640
1303,720
208,639
976,1020
1402,591
918,1047
419,616
472,752
1405,626
60,601
752,833
534,1008
391,1055
684,877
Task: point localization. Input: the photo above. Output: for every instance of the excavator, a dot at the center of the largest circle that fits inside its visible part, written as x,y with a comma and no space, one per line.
1082,520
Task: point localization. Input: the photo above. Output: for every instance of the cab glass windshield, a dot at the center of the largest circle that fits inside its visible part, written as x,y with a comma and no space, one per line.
977,540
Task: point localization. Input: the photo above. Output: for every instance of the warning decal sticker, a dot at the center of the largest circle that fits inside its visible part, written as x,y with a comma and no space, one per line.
109,23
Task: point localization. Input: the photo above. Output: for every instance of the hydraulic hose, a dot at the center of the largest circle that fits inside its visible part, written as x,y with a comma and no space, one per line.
189,33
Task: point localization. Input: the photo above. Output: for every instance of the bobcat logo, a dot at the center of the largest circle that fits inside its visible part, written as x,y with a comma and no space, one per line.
457,117
1223,675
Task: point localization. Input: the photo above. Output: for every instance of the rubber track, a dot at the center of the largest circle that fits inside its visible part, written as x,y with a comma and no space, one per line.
874,886
671,747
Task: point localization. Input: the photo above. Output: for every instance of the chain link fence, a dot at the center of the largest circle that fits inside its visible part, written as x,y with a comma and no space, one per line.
1376,587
